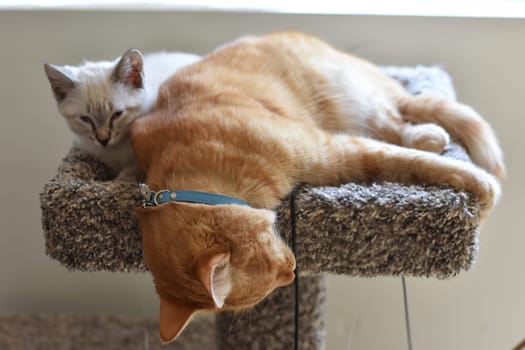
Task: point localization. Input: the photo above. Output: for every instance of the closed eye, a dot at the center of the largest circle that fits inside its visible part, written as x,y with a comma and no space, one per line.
85,119
116,114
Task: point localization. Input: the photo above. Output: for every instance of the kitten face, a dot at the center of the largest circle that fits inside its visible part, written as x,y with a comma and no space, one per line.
211,257
100,100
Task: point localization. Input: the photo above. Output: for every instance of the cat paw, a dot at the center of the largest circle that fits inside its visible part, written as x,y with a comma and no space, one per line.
490,190
425,137
482,184
489,156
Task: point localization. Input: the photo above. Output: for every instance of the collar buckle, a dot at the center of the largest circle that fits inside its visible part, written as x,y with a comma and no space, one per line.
145,192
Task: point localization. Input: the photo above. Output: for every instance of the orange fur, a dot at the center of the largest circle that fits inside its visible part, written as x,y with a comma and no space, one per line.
254,119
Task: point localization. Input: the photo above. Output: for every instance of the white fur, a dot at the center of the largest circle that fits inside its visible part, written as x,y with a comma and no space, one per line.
220,283
353,93
158,67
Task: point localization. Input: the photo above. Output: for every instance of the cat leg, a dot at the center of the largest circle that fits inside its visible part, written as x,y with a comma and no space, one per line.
425,137
344,158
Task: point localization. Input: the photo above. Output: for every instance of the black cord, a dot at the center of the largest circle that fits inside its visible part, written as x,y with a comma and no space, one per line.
407,317
296,281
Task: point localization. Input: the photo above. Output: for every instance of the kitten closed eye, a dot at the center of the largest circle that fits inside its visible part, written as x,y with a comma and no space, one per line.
86,120
116,114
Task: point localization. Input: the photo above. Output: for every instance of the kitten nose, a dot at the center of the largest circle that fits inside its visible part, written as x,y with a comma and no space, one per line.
103,135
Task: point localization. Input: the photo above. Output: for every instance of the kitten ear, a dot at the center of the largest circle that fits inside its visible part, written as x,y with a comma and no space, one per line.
61,83
214,272
173,318
129,69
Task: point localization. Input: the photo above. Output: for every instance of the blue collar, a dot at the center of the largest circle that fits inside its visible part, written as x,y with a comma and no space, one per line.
151,198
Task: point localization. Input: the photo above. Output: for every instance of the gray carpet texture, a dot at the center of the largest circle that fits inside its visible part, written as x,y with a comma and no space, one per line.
377,229
97,332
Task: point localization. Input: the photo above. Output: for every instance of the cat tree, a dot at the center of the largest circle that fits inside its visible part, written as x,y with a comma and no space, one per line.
367,230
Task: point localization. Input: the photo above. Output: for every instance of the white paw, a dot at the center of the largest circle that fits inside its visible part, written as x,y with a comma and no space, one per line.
425,137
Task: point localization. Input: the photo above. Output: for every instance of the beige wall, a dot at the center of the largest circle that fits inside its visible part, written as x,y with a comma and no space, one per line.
480,309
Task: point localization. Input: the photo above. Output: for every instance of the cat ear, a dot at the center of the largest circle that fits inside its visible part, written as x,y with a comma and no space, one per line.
173,318
129,69
61,83
214,272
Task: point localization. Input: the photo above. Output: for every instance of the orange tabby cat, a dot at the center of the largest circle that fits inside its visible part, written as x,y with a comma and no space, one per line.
254,119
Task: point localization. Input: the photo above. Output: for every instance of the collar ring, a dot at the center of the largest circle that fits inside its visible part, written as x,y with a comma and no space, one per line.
158,195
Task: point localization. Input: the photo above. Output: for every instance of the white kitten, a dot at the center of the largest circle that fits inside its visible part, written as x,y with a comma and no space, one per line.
100,100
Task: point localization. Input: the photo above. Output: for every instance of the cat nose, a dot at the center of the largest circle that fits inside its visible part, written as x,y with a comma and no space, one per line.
103,141
287,273
284,278
103,135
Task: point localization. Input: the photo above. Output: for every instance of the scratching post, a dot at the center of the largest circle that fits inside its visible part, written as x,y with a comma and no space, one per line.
378,229
270,324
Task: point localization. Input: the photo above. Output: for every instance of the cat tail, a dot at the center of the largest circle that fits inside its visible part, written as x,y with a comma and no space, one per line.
463,124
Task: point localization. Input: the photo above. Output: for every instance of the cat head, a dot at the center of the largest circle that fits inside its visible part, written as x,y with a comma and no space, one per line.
211,257
99,100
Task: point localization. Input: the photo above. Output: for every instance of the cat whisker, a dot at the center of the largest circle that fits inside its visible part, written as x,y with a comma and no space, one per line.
352,328
146,338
